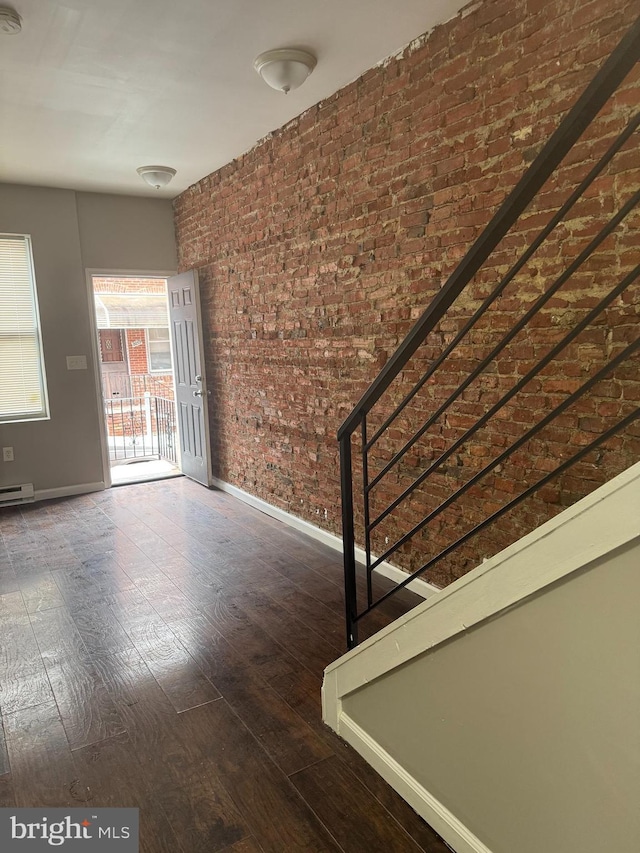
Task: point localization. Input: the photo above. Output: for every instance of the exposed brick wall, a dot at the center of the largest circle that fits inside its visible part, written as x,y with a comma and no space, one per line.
319,248
137,351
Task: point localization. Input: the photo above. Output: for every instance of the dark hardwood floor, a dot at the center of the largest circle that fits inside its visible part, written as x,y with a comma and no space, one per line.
162,646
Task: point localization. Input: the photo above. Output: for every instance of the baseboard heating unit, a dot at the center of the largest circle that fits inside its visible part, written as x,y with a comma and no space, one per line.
21,494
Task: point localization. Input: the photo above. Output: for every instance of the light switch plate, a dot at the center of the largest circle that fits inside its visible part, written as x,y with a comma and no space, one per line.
76,362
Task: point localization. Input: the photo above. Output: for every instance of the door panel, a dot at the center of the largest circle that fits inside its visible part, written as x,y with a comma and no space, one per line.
111,349
191,386
178,354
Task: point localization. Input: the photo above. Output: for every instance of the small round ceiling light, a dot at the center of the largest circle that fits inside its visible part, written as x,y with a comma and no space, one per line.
156,176
285,69
10,21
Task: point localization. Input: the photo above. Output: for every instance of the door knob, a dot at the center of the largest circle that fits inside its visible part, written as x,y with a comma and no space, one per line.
198,393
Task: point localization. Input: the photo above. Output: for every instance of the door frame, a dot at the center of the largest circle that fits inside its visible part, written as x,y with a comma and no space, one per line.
95,355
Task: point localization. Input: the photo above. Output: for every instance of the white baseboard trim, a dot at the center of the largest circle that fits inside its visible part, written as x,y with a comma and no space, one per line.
68,491
387,570
445,823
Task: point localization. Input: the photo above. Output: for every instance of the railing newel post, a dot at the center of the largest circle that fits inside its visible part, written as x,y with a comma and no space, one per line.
348,542
365,497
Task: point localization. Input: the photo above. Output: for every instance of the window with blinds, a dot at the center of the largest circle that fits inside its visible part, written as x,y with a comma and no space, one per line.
22,380
159,349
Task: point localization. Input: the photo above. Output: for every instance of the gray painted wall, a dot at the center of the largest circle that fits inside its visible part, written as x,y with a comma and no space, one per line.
527,727
72,232
127,233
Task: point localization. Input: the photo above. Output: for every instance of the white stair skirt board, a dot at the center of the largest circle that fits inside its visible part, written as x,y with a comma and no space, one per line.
418,586
69,491
427,806
604,521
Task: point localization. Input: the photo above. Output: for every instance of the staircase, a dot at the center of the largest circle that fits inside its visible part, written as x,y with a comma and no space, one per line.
493,456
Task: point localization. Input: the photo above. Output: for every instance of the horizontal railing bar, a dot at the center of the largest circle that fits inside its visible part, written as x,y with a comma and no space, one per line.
515,329
629,130
527,436
614,70
605,436
117,400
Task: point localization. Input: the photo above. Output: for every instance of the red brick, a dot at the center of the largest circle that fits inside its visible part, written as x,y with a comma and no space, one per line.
319,247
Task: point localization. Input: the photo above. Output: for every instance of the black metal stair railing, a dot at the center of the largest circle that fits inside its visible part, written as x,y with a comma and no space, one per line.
355,427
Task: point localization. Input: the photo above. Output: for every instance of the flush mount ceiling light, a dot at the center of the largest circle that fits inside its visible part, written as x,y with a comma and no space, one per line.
285,69
156,176
10,22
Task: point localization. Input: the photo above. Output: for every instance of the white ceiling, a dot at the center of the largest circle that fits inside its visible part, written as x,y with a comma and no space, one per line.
92,89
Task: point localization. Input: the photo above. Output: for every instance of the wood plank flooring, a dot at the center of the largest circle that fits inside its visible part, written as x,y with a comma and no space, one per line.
162,646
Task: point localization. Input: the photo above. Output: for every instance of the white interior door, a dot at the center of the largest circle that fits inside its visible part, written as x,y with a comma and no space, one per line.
191,385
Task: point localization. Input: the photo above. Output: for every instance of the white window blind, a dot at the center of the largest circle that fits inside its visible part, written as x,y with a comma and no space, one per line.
22,381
